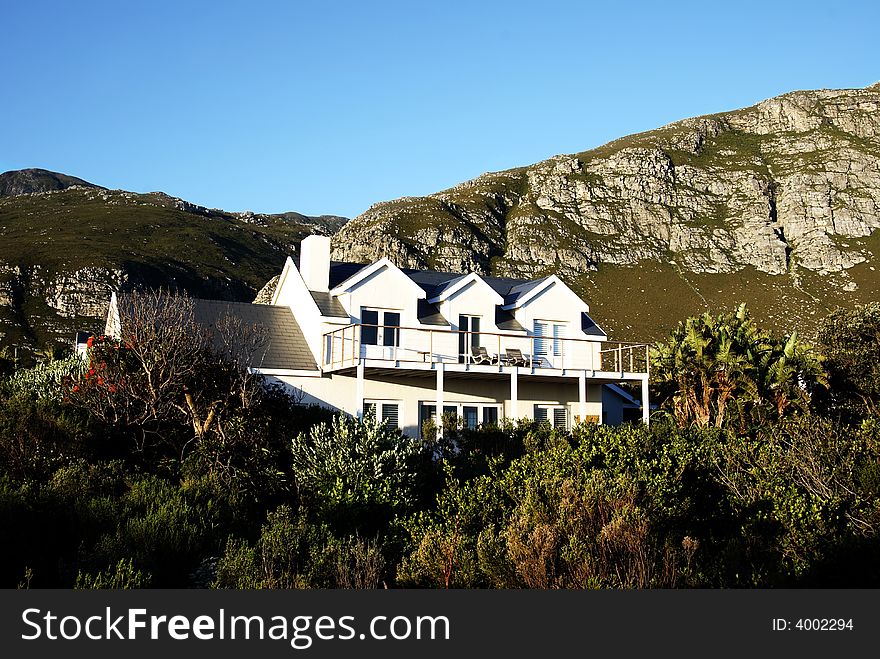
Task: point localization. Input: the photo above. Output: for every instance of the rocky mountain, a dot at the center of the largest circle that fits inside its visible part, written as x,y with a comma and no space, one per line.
66,244
29,181
777,205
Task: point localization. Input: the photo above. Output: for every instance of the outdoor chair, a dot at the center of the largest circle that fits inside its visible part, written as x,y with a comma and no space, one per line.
515,357
479,355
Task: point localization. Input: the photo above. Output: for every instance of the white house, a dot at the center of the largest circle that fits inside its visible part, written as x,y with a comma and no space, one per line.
405,343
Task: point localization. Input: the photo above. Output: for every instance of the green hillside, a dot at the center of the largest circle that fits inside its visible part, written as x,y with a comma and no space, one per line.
63,251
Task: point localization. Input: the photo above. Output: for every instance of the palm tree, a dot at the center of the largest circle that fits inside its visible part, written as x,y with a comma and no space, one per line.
709,362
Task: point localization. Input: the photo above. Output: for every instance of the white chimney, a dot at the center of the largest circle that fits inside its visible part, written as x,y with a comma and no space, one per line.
314,263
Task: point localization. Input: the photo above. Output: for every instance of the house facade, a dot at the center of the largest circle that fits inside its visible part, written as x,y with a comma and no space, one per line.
402,344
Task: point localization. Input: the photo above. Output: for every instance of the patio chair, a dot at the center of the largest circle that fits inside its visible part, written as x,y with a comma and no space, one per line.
515,357
479,355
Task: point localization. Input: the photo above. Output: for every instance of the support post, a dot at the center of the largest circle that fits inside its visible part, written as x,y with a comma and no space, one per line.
440,402
514,393
582,396
646,406
359,391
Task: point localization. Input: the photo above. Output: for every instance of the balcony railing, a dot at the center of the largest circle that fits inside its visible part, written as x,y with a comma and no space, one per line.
346,346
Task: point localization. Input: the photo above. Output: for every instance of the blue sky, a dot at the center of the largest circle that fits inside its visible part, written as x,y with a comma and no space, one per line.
331,107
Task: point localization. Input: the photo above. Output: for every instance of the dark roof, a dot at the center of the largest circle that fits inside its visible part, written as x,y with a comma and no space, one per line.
340,271
286,347
328,305
431,281
505,321
589,326
519,290
439,288
429,314
434,282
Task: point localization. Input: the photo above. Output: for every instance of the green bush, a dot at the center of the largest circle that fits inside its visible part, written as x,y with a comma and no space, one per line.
850,340
357,475
46,381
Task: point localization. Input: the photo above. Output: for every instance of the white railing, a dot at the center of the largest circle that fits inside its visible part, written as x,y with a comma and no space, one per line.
346,346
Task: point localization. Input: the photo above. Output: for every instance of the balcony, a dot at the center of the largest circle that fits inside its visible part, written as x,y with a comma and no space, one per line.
412,348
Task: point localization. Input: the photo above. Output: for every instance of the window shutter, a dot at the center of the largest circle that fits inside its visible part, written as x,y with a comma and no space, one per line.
558,334
390,414
540,331
560,417
540,413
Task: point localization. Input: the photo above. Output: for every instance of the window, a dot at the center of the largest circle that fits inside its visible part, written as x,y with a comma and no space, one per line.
472,414
548,338
427,411
387,411
555,415
469,336
380,327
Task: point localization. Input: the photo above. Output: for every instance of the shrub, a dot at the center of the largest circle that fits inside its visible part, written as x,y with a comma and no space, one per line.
290,553
850,340
356,474
45,381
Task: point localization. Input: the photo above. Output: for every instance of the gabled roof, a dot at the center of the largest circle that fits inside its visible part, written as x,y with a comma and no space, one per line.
286,347
524,292
359,275
449,288
340,271
438,285
433,281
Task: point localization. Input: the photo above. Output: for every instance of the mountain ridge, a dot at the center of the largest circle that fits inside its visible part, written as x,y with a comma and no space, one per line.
776,205
65,246
34,180
787,189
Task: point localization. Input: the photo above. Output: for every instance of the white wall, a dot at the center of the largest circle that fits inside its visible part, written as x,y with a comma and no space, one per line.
292,292
386,289
559,303
340,391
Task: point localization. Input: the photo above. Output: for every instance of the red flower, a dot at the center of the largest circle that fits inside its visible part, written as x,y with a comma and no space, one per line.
76,387
90,341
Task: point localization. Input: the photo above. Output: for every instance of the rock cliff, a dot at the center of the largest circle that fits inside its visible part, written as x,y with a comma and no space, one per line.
785,191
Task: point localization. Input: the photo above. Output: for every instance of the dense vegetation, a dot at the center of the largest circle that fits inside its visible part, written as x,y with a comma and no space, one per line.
162,462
